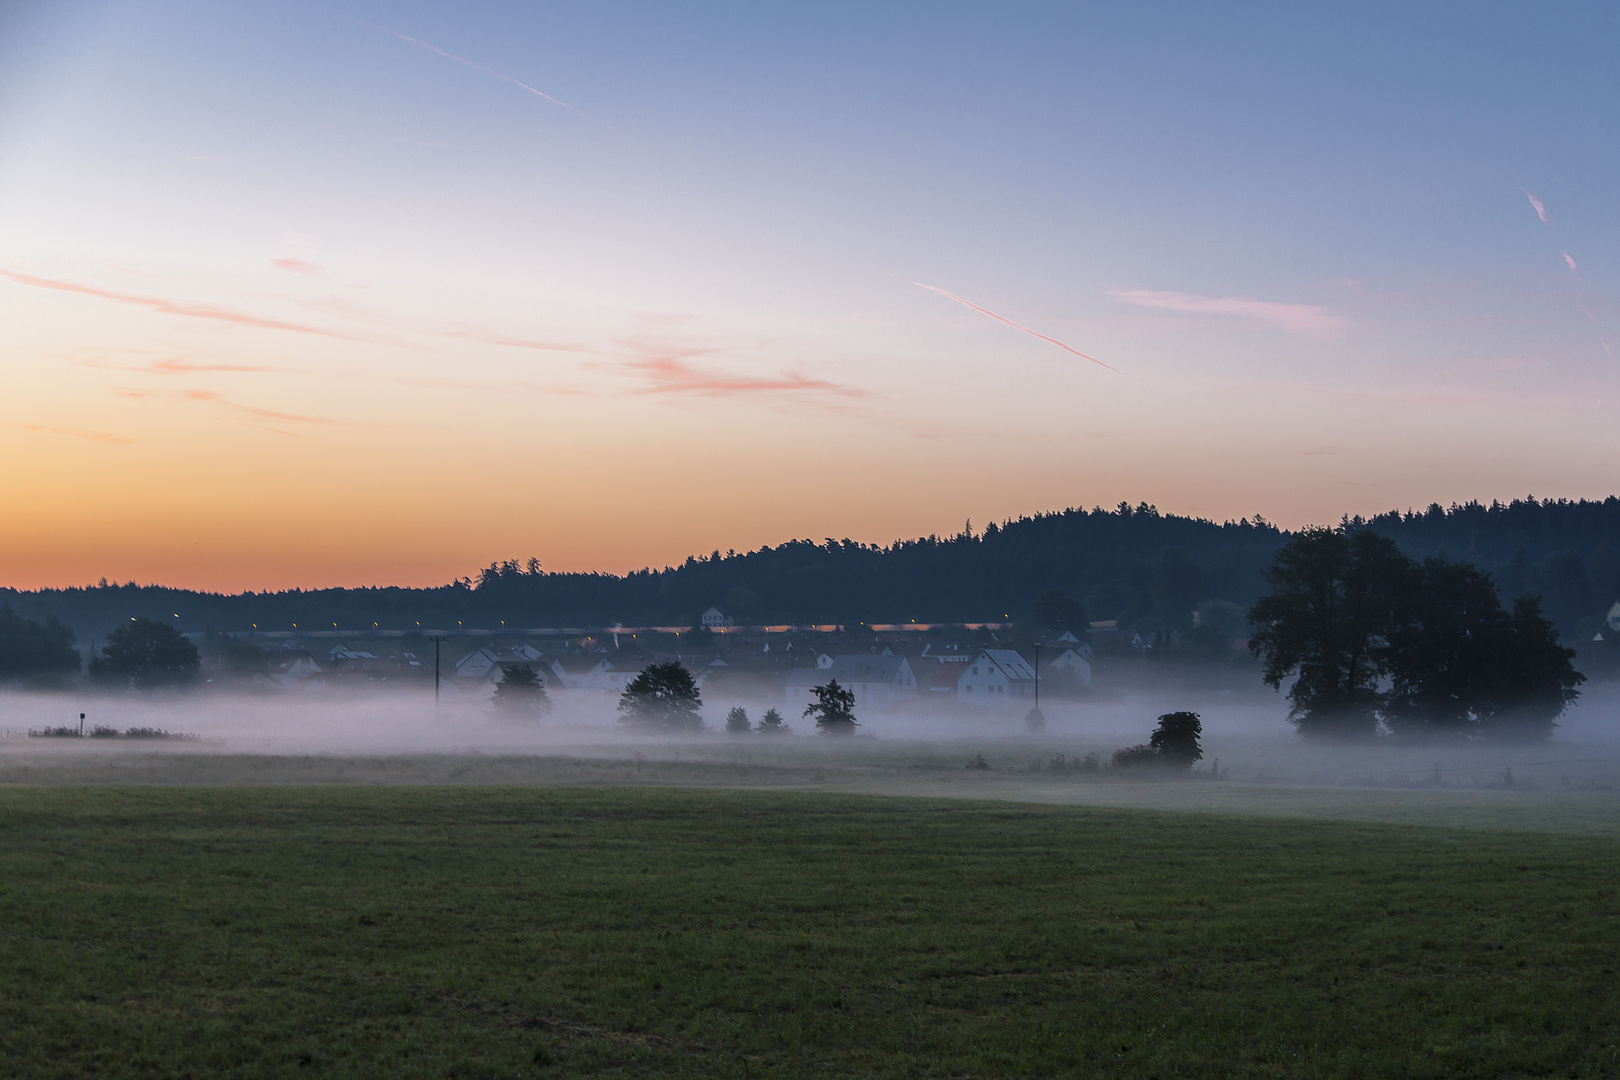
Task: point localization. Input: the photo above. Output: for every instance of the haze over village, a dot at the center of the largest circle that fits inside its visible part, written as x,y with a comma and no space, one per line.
883,540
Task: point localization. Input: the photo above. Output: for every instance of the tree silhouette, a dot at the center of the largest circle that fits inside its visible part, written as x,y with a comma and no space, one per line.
1175,740
834,709
146,654
520,694
737,721
1535,679
663,697
771,724
1327,618
32,653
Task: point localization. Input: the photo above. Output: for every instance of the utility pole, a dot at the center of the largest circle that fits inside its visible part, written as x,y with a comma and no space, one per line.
1036,720
436,639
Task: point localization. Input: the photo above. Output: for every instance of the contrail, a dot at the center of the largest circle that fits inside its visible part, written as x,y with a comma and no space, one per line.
1572,267
1025,329
1541,211
485,70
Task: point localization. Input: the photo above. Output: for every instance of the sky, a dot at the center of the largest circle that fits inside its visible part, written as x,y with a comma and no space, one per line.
344,293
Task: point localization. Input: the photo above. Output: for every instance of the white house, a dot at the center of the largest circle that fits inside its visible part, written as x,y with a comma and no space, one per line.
476,664
715,619
876,681
580,672
1611,621
994,676
616,679
298,670
1072,661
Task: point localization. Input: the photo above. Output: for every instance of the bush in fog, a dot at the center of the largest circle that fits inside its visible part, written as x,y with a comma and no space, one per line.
520,694
771,724
35,654
1425,649
101,732
1173,746
1091,763
833,708
737,721
1175,740
1136,757
145,654
663,697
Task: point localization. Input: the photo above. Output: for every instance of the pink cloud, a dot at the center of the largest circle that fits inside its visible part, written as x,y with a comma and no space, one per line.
299,266
1541,211
177,366
1569,260
672,375
1294,318
173,307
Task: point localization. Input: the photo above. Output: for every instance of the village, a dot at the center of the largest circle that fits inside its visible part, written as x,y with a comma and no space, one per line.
886,667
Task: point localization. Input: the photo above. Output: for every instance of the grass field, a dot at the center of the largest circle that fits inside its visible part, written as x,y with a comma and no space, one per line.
477,931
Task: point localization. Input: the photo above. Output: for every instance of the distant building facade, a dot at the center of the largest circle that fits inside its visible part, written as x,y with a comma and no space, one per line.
876,681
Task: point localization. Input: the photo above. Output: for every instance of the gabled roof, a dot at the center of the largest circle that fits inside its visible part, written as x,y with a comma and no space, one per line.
848,669
579,665
1012,665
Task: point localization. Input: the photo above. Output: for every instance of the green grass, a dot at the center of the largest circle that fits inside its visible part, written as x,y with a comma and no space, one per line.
411,931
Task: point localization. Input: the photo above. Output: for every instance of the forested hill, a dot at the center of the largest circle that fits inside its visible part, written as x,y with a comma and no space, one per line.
1131,563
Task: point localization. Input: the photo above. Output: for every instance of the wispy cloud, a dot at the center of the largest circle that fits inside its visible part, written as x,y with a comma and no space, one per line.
673,375
1294,318
487,71
175,307
176,366
299,266
93,436
1570,261
1541,211
492,337
213,398
1024,329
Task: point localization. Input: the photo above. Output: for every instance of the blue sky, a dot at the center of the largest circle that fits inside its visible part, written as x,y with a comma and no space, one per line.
681,310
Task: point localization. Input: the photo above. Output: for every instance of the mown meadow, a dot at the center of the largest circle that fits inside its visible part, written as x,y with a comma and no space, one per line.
567,931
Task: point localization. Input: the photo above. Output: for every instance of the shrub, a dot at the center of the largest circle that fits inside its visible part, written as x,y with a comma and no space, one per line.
978,762
1136,757
737,721
100,732
771,724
